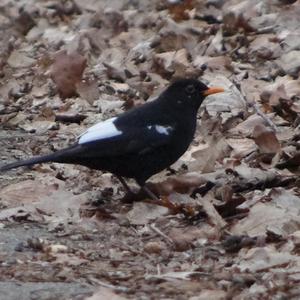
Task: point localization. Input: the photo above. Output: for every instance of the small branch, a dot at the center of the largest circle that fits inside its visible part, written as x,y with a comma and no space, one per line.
178,275
255,106
209,208
107,285
164,236
264,116
69,118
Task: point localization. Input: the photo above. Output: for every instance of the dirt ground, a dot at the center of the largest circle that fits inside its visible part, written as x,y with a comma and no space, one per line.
227,227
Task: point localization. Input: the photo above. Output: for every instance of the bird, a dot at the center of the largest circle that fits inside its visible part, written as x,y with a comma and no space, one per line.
140,142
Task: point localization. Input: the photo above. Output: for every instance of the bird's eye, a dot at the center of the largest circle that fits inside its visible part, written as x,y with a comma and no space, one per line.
190,89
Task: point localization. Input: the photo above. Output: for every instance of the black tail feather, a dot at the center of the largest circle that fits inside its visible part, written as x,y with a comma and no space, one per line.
28,162
61,156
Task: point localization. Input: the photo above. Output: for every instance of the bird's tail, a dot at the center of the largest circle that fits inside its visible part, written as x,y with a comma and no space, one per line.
27,162
63,156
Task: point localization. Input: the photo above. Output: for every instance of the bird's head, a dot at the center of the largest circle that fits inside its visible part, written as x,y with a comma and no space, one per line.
189,93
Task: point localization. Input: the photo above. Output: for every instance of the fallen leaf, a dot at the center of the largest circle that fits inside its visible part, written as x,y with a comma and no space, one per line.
265,47
213,215
88,90
46,197
19,59
172,62
263,259
216,63
179,9
206,159
104,293
241,147
66,71
154,247
266,139
210,294
264,216
246,128
143,213
290,62
39,127
181,184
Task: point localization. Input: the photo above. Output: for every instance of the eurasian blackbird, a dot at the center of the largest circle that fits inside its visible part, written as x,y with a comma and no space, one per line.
140,142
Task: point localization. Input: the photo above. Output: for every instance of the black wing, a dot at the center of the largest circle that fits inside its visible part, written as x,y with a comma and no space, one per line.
132,140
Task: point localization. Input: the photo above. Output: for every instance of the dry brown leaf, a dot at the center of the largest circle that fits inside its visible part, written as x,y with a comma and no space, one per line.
68,259
181,184
66,71
104,293
216,63
291,162
39,127
290,62
172,62
182,240
206,159
245,128
266,139
143,213
241,147
26,192
263,259
19,59
88,90
154,247
47,197
291,87
279,93
265,47
239,14
281,217
210,210
179,9
210,294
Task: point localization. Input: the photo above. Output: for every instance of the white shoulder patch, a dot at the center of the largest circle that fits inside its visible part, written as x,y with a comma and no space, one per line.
100,131
161,129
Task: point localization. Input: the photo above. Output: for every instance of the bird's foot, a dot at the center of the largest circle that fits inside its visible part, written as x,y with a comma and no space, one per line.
131,197
150,196
139,195
177,208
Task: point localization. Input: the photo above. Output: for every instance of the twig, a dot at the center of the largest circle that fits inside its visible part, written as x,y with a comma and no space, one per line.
158,270
266,29
107,285
254,105
69,118
159,232
211,211
178,275
264,116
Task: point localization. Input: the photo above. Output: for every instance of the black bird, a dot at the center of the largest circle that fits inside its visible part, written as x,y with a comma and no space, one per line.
140,142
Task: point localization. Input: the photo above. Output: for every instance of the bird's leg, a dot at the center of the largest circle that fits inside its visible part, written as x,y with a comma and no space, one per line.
130,196
163,201
150,193
144,188
125,185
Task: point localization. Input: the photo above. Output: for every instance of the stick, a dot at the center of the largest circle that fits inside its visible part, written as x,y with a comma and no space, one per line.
159,232
109,286
255,106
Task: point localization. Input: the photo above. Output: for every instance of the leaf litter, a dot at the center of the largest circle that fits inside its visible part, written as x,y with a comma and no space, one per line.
228,225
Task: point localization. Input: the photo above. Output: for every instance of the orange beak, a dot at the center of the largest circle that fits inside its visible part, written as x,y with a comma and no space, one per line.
213,90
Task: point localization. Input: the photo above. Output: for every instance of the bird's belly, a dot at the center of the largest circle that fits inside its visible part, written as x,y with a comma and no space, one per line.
139,166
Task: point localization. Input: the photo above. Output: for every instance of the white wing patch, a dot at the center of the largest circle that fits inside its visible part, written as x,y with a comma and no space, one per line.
161,129
102,130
